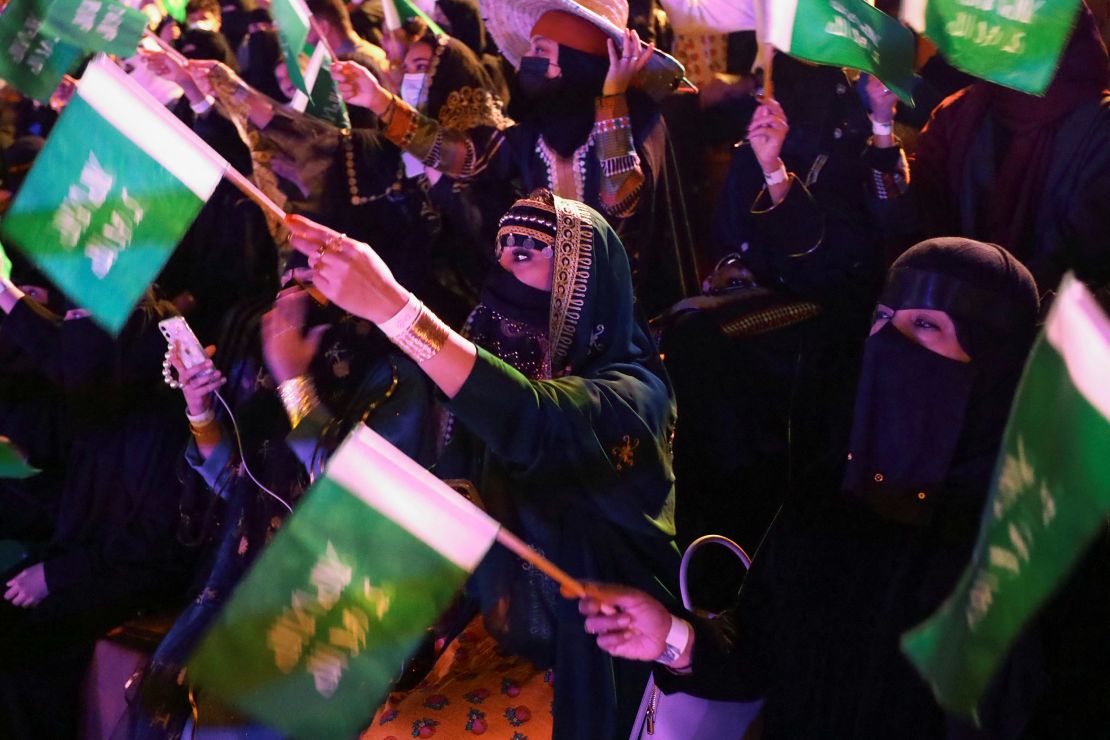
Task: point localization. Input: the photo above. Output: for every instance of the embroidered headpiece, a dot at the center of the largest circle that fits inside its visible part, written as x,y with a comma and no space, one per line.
530,223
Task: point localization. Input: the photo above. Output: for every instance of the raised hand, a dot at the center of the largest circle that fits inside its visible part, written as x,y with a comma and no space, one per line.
625,63
766,133
358,86
198,382
883,100
286,347
346,271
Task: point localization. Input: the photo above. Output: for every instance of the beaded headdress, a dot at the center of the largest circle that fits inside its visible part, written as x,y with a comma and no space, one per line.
530,223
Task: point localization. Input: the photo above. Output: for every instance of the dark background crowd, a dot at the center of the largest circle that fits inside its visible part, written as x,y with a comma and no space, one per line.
759,292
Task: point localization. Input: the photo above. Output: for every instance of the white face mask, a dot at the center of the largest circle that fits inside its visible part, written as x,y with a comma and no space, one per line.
412,89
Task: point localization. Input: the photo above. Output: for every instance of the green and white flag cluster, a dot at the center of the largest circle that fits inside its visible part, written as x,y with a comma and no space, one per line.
95,25
1015,43
32,60
1049,500
844,33
314,635
309,66
118,183
396,12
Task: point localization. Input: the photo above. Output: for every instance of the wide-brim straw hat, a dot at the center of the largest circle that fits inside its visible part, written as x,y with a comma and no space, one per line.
510,22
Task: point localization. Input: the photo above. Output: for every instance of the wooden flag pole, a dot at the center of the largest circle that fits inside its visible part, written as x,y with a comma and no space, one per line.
768,71
321,39
249,189
545,566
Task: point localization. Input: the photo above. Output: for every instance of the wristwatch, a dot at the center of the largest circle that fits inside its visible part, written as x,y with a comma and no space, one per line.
678,637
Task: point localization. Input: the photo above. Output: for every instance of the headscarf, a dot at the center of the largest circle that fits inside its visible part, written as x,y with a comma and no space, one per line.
602,506
464,22
924,422
1031,123
460,93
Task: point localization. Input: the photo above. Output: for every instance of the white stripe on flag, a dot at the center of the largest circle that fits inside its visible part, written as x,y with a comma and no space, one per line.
777,22
143,120
913,13
710,16
391,19
389,481
311,71
1079,330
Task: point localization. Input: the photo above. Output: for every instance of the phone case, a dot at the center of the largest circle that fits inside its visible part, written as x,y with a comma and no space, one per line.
177,330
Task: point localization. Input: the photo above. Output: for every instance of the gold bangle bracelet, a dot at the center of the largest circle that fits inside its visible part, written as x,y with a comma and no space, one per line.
208,434
425,338
298,396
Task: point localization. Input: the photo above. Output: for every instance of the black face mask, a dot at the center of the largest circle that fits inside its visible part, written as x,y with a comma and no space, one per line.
910,409
533,79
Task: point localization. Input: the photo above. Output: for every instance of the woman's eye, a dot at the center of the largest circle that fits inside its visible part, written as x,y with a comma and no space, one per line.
924,324
521,256
883,315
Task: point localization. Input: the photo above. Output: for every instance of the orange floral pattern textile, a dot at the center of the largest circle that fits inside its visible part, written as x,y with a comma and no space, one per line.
473,689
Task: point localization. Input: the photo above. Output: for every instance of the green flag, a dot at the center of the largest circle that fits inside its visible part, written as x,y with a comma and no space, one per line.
396,12
176,9
31,60
13,464
95,25
844,33
117,184
1015,43
5,264
313,636
1050,497
309,65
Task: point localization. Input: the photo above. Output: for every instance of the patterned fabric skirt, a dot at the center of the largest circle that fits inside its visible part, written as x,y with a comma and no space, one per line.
473,689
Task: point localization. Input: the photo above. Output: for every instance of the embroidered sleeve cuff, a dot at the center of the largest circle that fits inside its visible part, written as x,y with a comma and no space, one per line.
214,468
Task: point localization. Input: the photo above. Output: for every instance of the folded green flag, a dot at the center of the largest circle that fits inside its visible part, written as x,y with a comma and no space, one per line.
31,60
844,33
1015,43
107,200
309,65
13,464
314,635
95,25
1050,498
396,12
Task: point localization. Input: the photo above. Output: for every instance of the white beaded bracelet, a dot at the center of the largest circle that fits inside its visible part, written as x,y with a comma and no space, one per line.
401,321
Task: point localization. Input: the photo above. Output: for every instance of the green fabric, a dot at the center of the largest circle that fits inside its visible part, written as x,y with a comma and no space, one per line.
1015,44
851,33
5,264
403,10
1049,500
335,605
176,9
95,25
98,215
12,462
579,467
32,61
291,18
